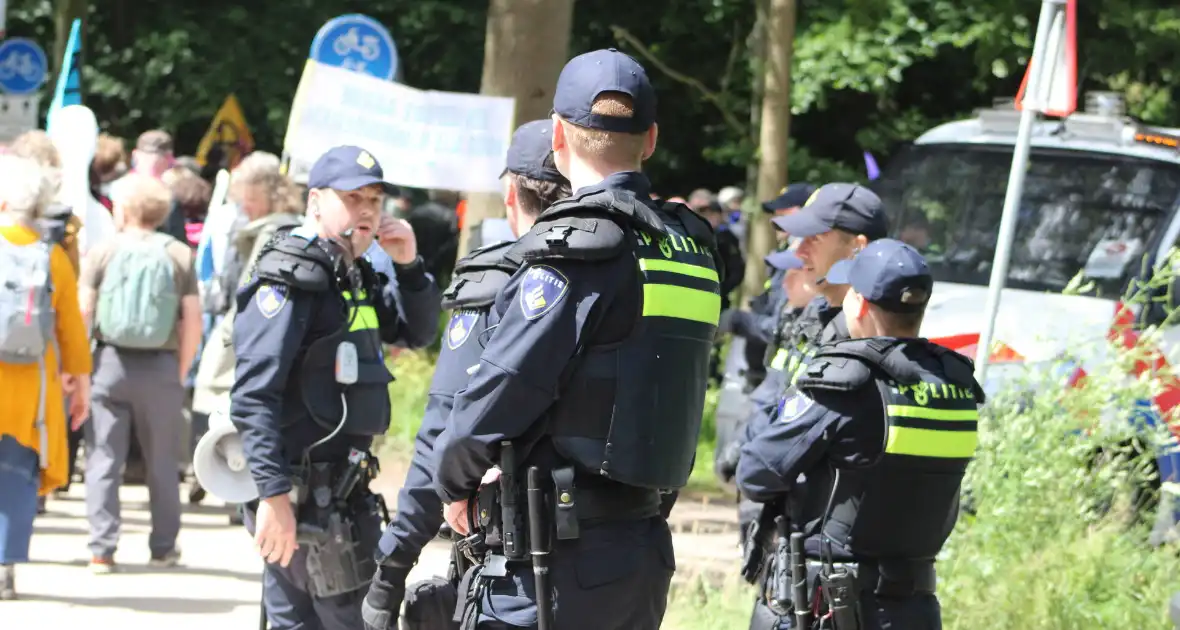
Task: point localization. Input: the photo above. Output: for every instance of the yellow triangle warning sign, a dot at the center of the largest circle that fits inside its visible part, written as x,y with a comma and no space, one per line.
228,139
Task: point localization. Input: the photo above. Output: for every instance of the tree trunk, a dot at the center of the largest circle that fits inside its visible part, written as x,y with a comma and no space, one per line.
64,14
526,47
772,145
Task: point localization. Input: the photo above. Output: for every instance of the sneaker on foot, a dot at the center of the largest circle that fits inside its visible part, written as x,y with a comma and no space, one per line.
165,560
102,565
7,582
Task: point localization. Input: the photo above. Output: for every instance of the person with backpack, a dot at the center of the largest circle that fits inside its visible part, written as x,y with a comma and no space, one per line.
139,292
58,225
42,336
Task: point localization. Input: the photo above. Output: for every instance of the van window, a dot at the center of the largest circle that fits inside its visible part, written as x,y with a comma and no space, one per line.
1090,212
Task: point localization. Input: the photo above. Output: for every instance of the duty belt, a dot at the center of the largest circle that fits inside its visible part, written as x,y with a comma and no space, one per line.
591,502
890,578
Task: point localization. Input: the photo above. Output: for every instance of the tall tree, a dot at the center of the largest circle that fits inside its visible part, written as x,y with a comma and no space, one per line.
776,124
527,44
64,14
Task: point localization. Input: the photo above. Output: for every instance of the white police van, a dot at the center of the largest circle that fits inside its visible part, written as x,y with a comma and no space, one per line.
1100,196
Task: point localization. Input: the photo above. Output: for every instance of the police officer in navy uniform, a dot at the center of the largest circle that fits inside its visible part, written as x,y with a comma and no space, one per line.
757,324
532,183
595,375
836,222
311,388
881,427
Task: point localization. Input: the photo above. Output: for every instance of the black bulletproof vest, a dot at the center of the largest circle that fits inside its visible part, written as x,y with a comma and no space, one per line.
477,279
367,400
904,506
631,410
815,327
309,266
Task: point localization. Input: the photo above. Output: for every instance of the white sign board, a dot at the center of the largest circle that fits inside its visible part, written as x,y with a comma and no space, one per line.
423,139
18,114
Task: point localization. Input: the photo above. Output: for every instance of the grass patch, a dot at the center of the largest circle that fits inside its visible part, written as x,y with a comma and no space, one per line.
695,604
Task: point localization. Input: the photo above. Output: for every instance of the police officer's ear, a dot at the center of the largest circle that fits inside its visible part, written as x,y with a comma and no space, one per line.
860,242
558,140
510,191
649,143
855,305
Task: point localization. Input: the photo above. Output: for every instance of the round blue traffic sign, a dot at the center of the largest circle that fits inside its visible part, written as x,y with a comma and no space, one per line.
23,66
358,43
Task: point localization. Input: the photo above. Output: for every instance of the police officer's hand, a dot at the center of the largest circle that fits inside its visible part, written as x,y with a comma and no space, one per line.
383,602
801,287
274,530
396,237
727,460
455,513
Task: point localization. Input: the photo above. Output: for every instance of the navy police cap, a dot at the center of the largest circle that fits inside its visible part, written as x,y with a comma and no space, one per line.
589,75
348,168
888,273
850,208
793,196
531,152
784,260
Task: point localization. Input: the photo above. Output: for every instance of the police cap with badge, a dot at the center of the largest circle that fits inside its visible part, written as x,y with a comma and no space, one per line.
793,196
348,168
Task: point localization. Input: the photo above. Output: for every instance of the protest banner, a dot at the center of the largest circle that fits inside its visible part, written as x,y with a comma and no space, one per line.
423,138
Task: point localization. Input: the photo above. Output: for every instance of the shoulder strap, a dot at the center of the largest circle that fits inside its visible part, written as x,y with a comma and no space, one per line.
588,235
479,277
296,262
850,364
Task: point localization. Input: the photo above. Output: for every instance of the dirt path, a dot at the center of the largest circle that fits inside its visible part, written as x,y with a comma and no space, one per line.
217,584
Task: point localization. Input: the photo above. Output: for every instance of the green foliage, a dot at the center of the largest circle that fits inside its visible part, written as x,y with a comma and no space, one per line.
867,74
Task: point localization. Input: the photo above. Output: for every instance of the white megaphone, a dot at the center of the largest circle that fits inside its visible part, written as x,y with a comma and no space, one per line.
220,464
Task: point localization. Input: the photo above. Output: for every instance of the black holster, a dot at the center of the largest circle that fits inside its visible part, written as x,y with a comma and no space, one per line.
328,497
430,605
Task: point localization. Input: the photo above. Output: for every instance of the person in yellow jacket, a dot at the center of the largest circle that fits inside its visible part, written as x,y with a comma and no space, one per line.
33,458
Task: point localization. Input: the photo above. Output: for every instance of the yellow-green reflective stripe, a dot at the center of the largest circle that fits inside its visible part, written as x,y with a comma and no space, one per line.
363,318
666,300
779,360
696,271
928,443
927,413
361,295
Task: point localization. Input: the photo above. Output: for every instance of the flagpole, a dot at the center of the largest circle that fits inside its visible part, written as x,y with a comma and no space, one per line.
1015,190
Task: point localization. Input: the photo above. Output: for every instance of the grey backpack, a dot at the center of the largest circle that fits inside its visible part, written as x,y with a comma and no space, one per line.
26,314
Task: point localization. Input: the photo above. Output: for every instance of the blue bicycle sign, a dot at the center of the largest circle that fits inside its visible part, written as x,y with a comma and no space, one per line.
23,66
358,43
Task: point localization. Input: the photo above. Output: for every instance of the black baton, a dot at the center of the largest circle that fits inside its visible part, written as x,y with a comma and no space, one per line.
539,549
799,582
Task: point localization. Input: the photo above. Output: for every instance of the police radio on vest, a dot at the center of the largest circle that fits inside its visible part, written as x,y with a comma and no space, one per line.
346,363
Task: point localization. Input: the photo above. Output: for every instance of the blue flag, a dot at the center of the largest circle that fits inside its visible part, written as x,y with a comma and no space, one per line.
69,77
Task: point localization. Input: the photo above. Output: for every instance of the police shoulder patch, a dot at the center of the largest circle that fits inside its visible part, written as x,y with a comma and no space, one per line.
541,289
271,299
792,407
462,323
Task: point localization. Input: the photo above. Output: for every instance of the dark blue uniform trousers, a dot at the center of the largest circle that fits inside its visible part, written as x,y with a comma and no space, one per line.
919,612
614,577
286,591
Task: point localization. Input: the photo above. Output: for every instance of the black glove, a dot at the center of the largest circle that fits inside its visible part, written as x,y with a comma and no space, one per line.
725,464
384,600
